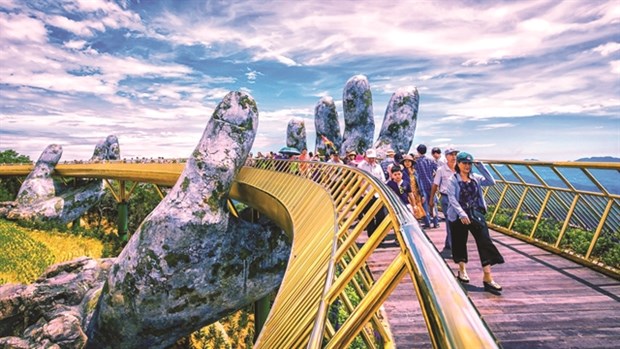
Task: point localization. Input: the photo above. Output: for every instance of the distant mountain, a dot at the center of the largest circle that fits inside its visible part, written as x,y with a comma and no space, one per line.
599,159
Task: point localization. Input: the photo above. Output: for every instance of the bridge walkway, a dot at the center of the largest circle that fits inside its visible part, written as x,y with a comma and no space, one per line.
548,301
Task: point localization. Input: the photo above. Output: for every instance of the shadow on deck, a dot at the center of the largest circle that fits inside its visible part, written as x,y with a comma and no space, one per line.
547,302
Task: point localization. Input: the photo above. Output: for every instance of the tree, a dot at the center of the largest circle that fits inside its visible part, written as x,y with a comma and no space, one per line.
10,186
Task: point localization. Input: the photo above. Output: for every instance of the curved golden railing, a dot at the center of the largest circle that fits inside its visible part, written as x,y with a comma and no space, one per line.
320,206
299,316
569,208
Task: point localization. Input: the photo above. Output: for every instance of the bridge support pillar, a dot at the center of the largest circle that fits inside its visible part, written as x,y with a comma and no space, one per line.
261,311
75,224
122,220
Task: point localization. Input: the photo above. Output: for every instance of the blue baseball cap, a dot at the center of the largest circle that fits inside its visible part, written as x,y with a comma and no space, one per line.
464,157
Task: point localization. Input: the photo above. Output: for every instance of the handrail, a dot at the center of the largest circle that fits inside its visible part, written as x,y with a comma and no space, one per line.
452,320
569,208
326,263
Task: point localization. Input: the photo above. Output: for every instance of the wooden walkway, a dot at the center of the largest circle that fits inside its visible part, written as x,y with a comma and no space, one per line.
547,302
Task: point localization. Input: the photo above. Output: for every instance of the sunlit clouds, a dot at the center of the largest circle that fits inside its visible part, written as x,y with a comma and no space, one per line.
491,75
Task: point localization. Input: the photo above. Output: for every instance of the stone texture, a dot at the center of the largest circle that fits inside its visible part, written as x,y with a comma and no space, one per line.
359,123
326,125
107,149
296,134
53,311
399,123
39,184
189,264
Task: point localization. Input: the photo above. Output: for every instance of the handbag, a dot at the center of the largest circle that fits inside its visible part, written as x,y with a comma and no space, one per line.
418,212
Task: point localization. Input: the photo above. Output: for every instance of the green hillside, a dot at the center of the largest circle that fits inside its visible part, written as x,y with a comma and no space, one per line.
27,253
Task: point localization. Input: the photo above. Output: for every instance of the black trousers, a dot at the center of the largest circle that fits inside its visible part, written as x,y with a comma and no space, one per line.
378,218
489,255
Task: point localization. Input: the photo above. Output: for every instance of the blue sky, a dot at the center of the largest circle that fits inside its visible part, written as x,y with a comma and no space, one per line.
501,79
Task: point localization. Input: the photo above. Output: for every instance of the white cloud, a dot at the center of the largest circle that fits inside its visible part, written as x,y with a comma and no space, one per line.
494,126
75,44
21,28
607,49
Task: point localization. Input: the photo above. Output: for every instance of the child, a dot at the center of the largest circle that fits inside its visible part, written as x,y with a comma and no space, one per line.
401,188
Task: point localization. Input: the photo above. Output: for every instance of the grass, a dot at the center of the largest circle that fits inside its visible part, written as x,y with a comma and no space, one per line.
27,253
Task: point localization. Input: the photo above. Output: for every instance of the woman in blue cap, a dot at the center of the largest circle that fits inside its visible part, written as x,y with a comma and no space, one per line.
466,215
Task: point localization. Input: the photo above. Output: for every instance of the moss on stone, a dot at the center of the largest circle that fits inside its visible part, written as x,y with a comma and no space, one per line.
177,308
182,291
173,259
212,201
58,206
395,127
349,105
152,255
246,102
404,101
92,302
196,299
185,184
367,98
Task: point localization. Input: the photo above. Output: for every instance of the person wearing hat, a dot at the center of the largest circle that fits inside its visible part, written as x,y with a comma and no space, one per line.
440,184
466,215
370,165
410,178
350,159
389,160
335,159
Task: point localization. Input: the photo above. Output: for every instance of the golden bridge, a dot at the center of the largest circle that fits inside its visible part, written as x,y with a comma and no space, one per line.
557,225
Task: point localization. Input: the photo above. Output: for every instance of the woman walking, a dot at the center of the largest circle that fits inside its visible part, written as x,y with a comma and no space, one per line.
409,176
466,215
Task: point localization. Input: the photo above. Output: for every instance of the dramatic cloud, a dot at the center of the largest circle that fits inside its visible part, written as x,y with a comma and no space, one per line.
151,72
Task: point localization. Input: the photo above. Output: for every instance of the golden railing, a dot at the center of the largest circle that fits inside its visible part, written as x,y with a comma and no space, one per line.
328,269
569,208
320,206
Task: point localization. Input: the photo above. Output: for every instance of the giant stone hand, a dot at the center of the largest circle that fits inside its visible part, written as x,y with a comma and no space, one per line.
396,132
184,267
188,265
43,199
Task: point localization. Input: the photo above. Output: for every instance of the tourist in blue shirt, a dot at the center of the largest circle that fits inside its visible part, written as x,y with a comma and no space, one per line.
425,169
401,188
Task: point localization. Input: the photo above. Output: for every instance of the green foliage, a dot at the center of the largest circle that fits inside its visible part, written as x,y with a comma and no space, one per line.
10,156
547,231
338,313
577,240
10,186
226,333
607,249
502,217
523,225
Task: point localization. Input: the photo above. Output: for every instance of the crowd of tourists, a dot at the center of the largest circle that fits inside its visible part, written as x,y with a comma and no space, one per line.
424,182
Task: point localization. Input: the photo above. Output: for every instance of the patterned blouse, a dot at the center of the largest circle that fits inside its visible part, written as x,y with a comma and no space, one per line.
469,196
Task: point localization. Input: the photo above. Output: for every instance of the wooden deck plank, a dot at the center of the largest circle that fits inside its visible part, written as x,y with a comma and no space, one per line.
548,301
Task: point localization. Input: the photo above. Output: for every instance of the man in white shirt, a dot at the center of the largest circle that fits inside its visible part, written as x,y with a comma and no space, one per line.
335,159
440,184
370,165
